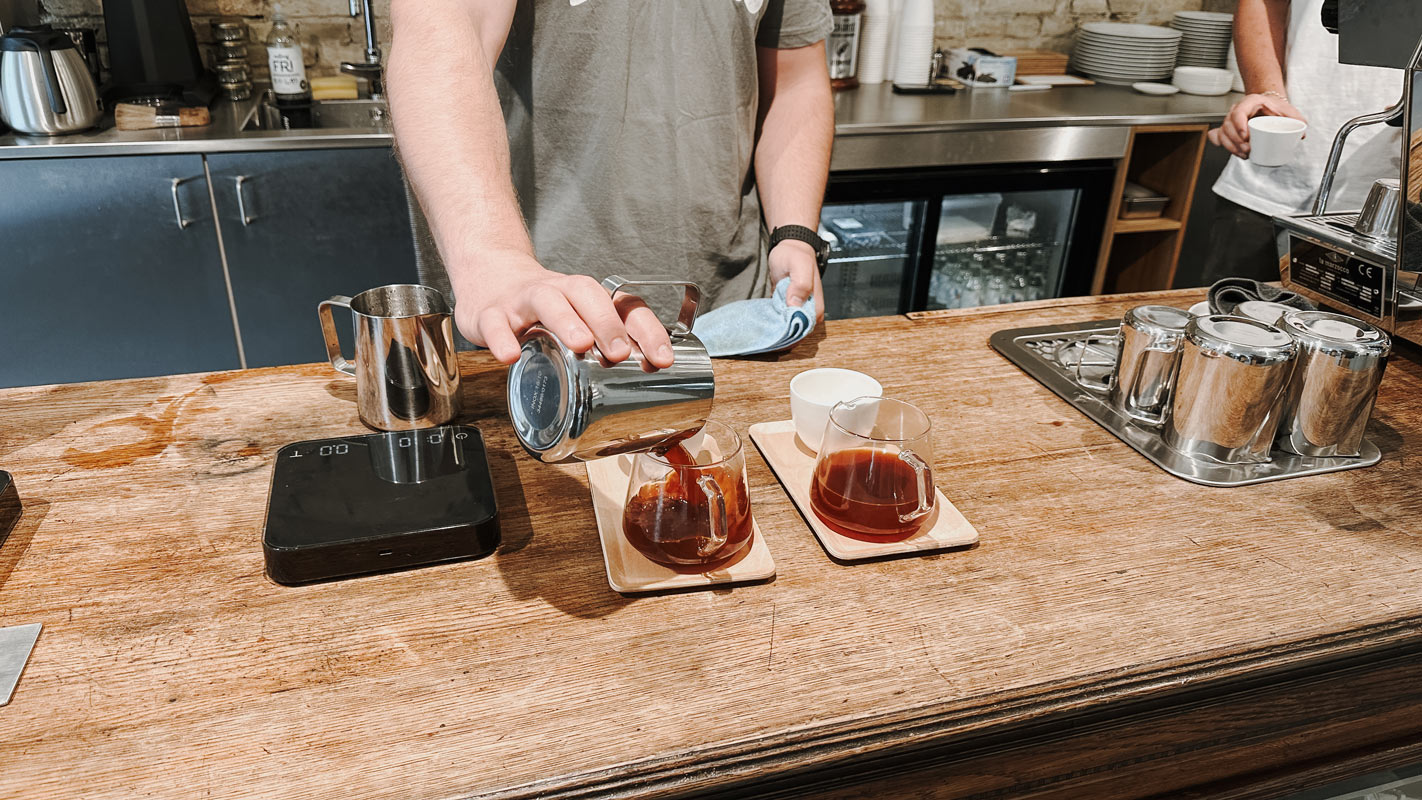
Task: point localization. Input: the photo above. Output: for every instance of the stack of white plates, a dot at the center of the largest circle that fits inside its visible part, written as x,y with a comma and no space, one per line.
1124,53
1206,39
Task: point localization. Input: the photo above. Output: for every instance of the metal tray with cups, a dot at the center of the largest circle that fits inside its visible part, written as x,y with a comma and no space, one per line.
1217,399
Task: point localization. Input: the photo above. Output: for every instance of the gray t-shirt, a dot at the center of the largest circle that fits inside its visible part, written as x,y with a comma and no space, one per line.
632,125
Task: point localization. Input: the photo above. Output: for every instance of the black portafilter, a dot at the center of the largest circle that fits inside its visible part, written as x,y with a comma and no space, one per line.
153,54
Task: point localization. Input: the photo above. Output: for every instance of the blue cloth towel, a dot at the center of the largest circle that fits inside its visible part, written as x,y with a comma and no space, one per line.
748,327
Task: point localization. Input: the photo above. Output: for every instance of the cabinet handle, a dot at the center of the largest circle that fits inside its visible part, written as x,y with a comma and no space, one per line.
239,182
178,205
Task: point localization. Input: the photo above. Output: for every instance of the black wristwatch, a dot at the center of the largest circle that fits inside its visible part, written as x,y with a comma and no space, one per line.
803,234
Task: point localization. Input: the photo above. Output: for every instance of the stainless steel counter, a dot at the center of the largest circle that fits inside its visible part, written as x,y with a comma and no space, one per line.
875,128
224,135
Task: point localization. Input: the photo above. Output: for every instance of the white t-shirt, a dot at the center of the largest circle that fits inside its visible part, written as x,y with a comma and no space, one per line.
1329,94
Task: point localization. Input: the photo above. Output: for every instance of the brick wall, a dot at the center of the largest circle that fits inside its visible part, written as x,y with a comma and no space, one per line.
1048,24
328,33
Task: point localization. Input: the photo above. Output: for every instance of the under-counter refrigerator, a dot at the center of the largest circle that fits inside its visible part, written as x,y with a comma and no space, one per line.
954,238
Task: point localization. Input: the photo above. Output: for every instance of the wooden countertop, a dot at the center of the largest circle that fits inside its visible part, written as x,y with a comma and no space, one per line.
1117,633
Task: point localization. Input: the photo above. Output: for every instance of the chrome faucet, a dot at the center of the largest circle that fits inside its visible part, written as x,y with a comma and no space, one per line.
370,69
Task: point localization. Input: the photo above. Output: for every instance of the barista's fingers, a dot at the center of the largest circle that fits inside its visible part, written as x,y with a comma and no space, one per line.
646,330
1232,140
498,334
1213,135
553,310
819,298
595,306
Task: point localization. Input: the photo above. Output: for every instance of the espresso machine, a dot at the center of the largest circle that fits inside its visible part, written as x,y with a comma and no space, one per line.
1366,262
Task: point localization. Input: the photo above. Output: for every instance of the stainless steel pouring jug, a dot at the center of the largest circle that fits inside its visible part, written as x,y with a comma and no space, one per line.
1330,397
1232,371
1148,349
569,406
45,85
405,366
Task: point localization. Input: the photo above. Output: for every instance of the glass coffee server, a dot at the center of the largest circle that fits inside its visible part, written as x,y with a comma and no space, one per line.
956,238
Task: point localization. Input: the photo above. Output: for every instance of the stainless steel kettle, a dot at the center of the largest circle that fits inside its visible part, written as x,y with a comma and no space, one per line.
45,86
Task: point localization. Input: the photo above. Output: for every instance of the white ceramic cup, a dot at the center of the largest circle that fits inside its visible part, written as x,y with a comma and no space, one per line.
815,391
1262,311
1200,309
1273,140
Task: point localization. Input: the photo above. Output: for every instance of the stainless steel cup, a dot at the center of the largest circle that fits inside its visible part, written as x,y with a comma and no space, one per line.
1148,347
1378,219
1330,396
405,366
1232,372
571,406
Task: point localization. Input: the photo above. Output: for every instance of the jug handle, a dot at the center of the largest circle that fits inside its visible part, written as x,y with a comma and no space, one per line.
1086,344
718,515
1157,418
690,299
51,81
926,490
328,329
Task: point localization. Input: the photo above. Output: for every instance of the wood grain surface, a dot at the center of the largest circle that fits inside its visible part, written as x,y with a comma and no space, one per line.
1116,633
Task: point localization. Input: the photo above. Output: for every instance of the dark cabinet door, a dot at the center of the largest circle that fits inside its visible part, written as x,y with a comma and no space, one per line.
109,268
299,226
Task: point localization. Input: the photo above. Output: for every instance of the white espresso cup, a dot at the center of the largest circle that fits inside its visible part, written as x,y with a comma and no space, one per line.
1273,140
815,391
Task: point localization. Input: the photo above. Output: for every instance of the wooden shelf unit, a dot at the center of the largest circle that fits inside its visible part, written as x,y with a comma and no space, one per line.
1141,254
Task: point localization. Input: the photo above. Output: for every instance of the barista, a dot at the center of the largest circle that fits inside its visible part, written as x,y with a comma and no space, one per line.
1289,63
645,137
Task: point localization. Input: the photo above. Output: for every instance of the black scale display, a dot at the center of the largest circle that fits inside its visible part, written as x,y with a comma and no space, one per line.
361,504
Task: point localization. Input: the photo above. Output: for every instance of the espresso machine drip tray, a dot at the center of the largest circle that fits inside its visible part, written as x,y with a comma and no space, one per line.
1048,353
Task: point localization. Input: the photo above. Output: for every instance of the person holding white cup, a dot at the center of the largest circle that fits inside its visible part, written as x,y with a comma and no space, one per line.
1298,96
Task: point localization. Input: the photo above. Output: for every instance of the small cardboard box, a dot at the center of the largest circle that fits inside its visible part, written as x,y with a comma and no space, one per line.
975,66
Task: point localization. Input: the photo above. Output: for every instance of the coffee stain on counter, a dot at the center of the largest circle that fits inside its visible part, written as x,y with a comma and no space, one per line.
155,429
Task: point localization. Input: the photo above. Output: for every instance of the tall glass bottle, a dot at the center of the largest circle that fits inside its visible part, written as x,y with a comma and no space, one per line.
288,70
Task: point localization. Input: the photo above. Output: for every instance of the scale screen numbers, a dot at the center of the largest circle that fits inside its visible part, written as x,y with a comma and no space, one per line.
403,440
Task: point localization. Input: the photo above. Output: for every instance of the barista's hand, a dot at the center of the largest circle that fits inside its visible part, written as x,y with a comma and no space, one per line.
1233,134
797,259
511,291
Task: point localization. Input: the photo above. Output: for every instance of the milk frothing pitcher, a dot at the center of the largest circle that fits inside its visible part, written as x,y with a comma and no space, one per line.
1232,371
1147,348
405,365
1330,396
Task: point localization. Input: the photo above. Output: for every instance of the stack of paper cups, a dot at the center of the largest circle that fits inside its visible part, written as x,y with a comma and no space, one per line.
913,56
874,40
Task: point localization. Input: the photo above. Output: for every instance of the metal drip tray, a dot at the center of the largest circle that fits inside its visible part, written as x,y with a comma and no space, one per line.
1041,352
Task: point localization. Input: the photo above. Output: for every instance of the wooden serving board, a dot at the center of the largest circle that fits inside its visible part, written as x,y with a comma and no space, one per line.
794,465
629,571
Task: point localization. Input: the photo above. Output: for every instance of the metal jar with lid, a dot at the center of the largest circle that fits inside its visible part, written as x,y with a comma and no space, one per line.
1232,372
1330,396
570,406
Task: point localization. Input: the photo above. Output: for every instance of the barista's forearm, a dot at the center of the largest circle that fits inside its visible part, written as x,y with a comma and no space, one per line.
1261,30
449,125
796,133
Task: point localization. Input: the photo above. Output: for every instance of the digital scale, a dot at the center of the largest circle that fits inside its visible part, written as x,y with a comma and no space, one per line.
357,505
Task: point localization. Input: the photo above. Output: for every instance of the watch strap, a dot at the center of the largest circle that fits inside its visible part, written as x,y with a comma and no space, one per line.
803,234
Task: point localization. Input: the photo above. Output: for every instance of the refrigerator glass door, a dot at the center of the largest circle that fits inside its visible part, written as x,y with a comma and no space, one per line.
1001,247
871,260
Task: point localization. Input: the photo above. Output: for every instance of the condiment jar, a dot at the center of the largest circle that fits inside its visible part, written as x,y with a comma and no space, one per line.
1330,396
1232,372
842,44
570,406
